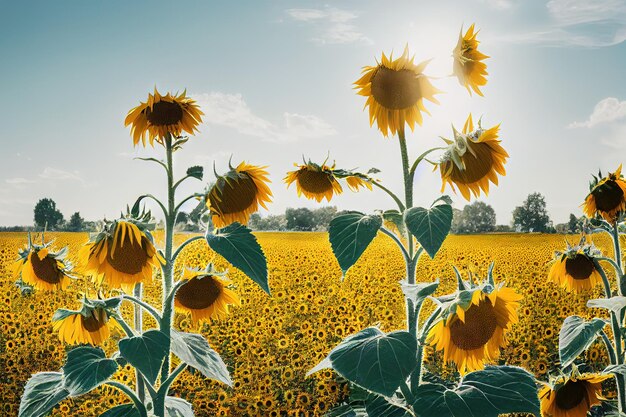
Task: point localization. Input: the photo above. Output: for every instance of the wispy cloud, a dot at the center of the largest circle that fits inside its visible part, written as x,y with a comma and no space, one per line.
333,26
60,175
19,181
231,110
500,4
607,110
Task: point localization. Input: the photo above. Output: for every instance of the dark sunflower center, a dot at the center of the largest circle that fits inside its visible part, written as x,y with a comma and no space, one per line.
476,167
480,324
199,293
396,89
579,267
608,196
235,196
571,395
317,182
129,257
164,113
45,269
91,323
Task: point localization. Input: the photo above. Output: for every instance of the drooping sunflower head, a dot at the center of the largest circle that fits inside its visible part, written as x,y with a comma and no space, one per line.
122,254
395,91
607,197
91,324
575,268
160,115
571,395
472,328
472,160
468,65
237,194
43,269
205,295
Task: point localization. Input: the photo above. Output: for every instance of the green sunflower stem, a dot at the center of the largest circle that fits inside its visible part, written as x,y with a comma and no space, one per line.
605,280
139,405
621,279
138,324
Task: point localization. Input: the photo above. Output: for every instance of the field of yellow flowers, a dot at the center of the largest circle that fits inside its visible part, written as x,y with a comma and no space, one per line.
269,343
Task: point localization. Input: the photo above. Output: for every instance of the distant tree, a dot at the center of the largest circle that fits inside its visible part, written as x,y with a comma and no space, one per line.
532,215
503,228
76,223
322,217
574,225
299,219
46,213
477,217
457,221
270,222
182,217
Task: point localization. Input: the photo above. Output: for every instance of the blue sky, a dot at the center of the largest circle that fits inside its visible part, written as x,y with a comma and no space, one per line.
275,81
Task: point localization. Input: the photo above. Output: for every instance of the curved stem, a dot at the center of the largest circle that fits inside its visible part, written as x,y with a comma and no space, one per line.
180,181
617,338
391,194
420,159
159,403
417,255
179,205
141,408
395,238
158,202
127,329
609,347
153,311
416,375
155,160
182,246
605,280
612,262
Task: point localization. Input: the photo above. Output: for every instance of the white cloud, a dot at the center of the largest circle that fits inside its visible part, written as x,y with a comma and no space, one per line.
575,12
607,110
500,4
19,181
335,26
55,174
231,110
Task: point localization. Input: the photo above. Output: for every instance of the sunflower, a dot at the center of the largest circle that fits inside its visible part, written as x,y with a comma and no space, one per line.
317,182
575,269
571,396
122,255
89,325
472,160
472,335
468,66
42,269
395,91
162,115
607,197
237,194
205,295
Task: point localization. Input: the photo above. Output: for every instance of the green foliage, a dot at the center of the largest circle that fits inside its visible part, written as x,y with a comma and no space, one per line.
477,217
350,234
46,213
177,407
374,360
532,215
382,407
576,336
86,368
300,219
239,246
76,223
614,304
430,227
146,352
43,391
488,393
420,291
194,350
124,410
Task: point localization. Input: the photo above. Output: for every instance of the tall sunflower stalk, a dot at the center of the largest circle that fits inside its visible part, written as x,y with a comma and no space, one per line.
579,268
121,258
386,369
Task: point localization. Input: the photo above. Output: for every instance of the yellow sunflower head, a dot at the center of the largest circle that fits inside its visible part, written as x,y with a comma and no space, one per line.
122,254
574,268
468,66
472,327
237,194
607,197
572,395
205,295
160,115
91,324
473,159
42,269
395,91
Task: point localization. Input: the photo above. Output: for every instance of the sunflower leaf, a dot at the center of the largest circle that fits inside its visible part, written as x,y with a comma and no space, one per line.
488,393
420,291
146,352
43,391
615,369
395,217
429,226
576,336
350,234
239,246
124,410
615,304
374,360
386,407
194,350
86,368
347,410
195,172
177,407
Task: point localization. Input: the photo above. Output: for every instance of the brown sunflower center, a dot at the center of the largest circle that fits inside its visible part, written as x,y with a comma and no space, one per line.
236,195
396,89
579,267
92,323
608,196
316,182
199,293
164,113
45,269
130,257
571,395
480,324
476,167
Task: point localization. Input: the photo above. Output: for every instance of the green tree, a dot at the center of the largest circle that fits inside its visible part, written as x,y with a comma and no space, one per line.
46,213
299,219
477,217
322,217
532,215
574,225
76,223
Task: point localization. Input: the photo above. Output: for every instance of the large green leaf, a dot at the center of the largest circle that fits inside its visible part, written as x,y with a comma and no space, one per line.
350,234
615,369
347,410
146,352
194,350
239,246
430,227
124,410
43,391
488,393
614,304
86,368
382,407
374,360
177,407
576,336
